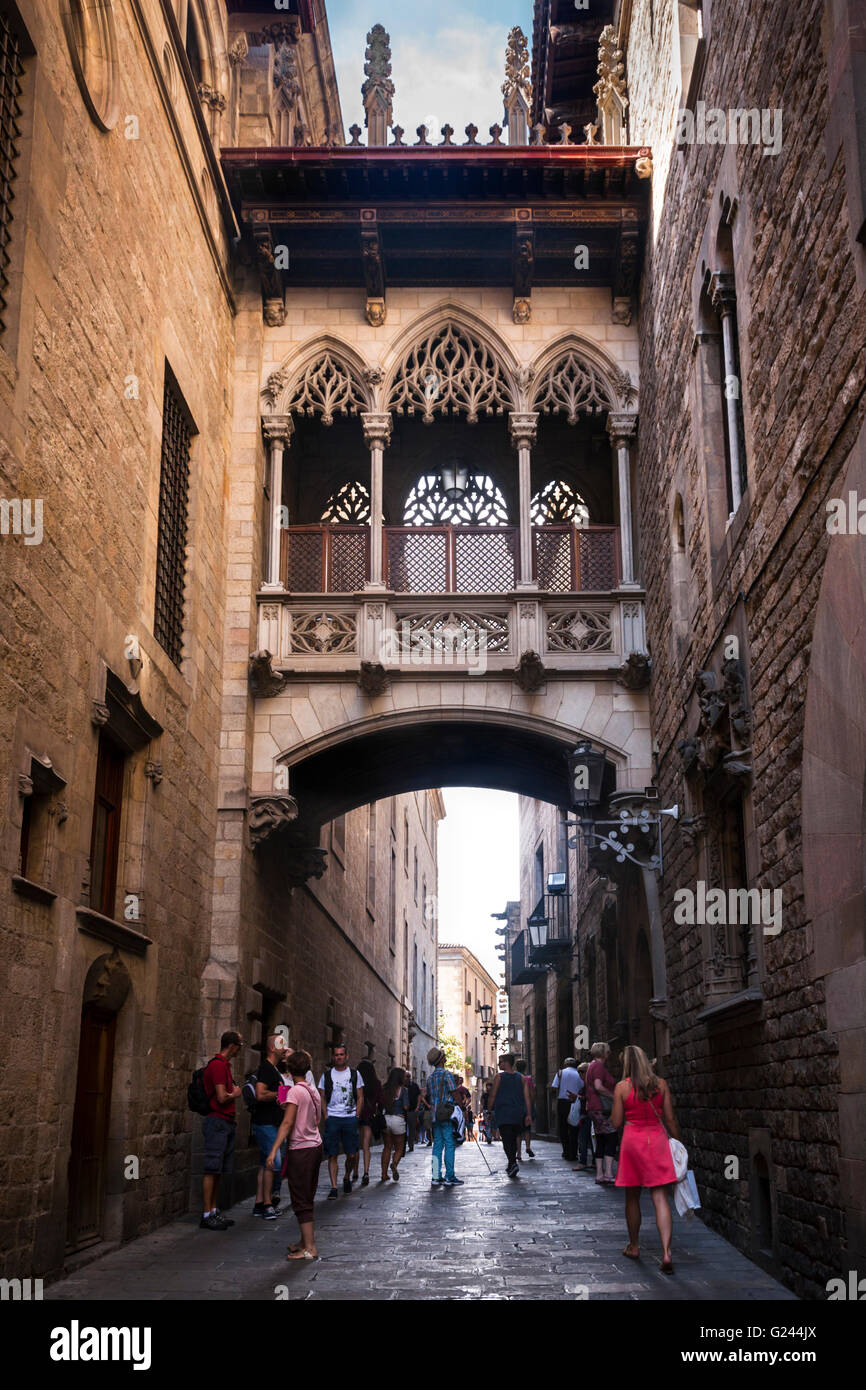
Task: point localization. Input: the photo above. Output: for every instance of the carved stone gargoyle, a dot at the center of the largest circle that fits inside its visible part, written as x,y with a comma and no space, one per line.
710,699
373,679
635,672
530,674
270,814
303,862
265,682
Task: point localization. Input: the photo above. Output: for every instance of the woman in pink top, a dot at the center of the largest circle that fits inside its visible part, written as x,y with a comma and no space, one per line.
640,1101
300,1126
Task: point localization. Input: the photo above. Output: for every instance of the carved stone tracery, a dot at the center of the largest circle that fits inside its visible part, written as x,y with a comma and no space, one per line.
482,505
450,372
324,634
579,630
327,388
572,384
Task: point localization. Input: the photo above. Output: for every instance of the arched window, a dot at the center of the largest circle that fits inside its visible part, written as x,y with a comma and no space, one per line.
349,505
482,504
558,502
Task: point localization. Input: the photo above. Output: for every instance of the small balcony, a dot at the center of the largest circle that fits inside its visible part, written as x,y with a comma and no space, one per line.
549,929
335,559
523,972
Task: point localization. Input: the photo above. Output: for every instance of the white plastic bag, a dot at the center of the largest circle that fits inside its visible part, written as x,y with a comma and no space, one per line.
679,1158
574,1113
686,1198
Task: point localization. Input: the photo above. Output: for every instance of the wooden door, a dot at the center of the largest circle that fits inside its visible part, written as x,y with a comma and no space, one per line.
90,1127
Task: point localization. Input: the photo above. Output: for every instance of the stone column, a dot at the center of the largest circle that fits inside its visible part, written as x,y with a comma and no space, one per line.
377,434
524,432
277,430
622,428
723,296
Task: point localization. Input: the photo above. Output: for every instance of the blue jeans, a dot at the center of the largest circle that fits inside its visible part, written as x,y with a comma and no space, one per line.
443,1135
265,1136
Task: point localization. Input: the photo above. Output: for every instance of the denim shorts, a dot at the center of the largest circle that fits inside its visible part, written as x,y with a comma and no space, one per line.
219,1144
265,1136
341,1128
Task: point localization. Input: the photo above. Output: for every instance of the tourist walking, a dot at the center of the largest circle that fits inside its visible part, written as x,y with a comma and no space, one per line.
299,1129
526,1134
267,1118
371,1121
511,1104
568,1086
440,1093
342,1101
396,1103
599,1103
425,1122
412,1113
642,1102
219,1128
585,1154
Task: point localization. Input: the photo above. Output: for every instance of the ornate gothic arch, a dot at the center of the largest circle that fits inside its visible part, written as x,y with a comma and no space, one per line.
328,379
575,377
451,361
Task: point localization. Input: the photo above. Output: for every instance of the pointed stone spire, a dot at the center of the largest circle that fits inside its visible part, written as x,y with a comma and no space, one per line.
517,88
378,89
610,89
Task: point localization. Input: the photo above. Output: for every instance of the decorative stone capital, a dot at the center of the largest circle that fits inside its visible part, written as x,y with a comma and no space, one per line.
377,428
303,862
278,429
530,674
376,312
265,682
643,166
153,771
635,671
521,310
622,428
99,713
523,427
238,51
373,679
275,312
269,815
723,295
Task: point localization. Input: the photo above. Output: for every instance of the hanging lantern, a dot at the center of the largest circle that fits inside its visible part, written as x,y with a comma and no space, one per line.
454,480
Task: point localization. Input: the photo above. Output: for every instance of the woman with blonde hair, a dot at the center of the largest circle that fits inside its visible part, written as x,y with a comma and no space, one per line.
642,1101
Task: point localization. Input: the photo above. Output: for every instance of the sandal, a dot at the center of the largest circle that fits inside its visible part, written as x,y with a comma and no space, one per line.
666,1266
395,1172
302,1255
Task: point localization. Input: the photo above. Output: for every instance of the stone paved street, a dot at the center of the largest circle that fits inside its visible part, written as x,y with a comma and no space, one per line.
549,1235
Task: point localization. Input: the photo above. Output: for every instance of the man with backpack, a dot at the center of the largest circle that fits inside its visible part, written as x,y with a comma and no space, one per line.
218,1127
342,1095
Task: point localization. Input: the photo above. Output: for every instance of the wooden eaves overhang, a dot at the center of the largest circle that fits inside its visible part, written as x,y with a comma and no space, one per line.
485,215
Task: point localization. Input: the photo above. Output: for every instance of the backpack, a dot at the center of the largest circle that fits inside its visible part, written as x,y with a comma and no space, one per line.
197,1097
329,1085
248,1092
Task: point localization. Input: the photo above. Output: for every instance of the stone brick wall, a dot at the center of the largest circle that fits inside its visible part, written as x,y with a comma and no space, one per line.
767,1078
102,300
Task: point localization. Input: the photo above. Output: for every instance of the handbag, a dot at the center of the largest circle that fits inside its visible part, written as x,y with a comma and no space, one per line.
606,1105
444,1112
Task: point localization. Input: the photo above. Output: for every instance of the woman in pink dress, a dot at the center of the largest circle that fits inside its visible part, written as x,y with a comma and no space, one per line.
640,1101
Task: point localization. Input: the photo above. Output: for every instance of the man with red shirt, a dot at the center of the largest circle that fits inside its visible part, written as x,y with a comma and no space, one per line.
219,1128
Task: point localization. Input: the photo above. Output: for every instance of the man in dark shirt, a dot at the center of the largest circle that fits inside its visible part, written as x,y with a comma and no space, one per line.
219,1128
267,1118
412,1112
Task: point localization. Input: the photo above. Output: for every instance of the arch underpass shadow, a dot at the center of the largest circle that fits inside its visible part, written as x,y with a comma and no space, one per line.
436,753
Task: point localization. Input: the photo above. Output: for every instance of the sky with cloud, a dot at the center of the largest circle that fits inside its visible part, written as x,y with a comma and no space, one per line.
448,59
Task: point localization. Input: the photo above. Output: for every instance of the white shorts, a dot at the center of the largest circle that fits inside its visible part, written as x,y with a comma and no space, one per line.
396,1124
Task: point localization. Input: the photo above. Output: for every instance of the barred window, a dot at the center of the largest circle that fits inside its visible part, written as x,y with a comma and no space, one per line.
177,432
11,71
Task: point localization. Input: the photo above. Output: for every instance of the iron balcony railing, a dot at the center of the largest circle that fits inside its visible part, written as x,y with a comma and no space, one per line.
329,559
523,972
549,928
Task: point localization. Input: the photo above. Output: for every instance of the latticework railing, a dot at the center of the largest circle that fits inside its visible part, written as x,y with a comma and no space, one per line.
325,559
570,559
333,559
451,559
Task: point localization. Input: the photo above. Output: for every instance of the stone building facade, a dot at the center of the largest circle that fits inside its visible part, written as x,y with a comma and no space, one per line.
464,987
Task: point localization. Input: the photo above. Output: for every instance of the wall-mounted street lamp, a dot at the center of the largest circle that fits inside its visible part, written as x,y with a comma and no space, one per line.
630,835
